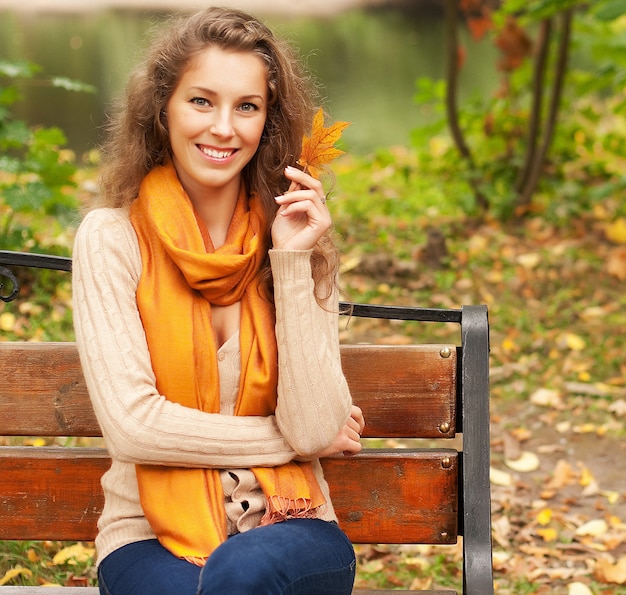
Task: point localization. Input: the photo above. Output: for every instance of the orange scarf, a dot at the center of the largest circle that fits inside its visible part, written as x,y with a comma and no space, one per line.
182,276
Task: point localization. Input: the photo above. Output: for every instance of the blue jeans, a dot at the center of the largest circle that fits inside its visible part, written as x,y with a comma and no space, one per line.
295,557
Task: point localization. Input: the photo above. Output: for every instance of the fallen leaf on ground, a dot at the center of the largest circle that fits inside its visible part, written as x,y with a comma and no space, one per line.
593,528
73,554
529,260
562,476
528,461
500,478
546,397
609,572
616,231
573,341
618,407
586,477
545,516
501,528
616,263
548,534
7,321
611,495
578,589
12,573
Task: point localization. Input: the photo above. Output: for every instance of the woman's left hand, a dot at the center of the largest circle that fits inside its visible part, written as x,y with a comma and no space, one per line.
302,217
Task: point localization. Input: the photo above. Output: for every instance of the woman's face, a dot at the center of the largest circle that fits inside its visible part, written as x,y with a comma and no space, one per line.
215,119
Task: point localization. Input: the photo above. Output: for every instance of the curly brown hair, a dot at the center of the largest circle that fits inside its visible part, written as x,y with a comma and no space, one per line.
137,139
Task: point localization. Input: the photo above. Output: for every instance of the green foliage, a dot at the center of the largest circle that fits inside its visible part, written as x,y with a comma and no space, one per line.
609,10
36,174
584,160
536,10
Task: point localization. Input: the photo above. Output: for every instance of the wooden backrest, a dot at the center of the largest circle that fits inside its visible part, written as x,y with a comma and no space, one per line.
408,391
405,392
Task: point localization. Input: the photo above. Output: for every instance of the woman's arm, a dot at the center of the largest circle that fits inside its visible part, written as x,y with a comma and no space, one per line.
314,402
139,424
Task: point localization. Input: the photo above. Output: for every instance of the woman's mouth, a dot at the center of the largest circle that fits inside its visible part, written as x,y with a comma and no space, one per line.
220,154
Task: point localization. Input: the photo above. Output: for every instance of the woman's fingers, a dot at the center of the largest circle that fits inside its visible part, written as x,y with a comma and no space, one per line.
304,180
303,187
356,414
300,197
353,430
347,441
302,217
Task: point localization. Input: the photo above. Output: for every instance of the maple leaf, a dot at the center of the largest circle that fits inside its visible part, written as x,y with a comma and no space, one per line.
319,148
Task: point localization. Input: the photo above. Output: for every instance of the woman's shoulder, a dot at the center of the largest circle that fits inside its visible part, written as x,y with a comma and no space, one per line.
109,229
106,217
106,223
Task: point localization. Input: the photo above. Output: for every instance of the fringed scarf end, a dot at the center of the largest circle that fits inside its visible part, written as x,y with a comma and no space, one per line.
281,509
196,560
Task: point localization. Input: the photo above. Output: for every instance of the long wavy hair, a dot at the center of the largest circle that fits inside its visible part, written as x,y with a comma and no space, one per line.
137,139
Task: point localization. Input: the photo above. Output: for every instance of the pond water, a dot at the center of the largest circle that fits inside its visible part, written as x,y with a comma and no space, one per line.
367,63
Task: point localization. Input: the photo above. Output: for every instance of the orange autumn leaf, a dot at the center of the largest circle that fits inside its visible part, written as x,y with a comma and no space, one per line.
514,43
318,149
478,17
479,26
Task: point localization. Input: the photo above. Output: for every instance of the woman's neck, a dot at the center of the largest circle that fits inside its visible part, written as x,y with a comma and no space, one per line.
215,209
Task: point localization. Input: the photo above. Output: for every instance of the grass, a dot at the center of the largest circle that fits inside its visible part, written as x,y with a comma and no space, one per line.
46,563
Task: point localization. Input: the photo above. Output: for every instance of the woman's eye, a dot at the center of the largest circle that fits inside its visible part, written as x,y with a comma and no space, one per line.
200,101
248,107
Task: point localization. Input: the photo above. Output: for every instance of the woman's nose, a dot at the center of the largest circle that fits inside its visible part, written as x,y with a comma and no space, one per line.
222,124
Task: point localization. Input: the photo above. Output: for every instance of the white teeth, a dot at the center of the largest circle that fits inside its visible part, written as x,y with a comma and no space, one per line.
216,154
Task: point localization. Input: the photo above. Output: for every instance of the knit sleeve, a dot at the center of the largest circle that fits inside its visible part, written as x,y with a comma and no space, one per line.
313,397
139,424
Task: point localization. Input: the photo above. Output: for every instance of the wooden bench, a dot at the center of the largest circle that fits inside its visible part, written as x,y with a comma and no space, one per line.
427,495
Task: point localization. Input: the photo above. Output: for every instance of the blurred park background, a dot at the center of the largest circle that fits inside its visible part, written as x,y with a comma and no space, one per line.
485,163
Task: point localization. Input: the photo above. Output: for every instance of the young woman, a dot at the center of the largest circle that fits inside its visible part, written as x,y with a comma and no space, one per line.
206,321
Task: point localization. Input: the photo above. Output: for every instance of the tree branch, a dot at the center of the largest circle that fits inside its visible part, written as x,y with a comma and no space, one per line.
555,102
539,76
452,43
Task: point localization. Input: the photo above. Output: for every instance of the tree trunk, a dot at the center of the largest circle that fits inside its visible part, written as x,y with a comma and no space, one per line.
525,197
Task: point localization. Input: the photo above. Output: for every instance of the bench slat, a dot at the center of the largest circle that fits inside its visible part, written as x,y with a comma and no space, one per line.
410,496
408,391
43,392
51,492
396,496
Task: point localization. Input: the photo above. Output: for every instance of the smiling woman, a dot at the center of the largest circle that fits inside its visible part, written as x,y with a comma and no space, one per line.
214,366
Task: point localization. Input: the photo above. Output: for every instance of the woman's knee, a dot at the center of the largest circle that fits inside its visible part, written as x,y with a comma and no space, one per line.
301,556
240,567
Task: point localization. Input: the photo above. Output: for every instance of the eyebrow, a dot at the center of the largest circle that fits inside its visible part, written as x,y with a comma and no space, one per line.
249,97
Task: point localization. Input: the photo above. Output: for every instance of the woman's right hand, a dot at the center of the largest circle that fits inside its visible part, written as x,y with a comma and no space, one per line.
348,439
